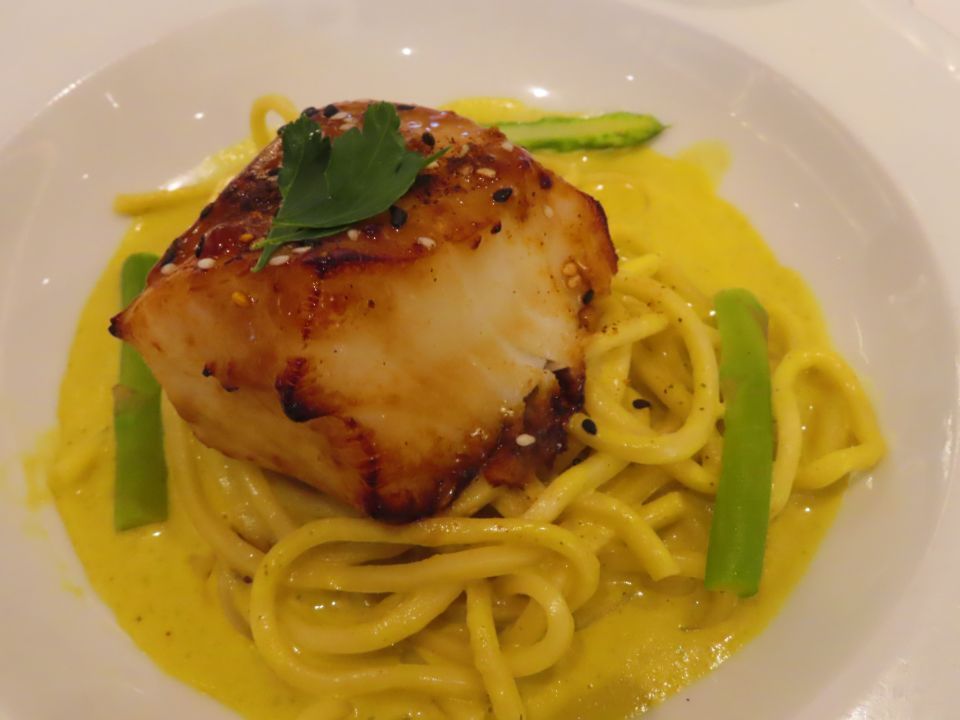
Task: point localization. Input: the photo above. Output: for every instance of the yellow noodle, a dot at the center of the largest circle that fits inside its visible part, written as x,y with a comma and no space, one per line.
642,540
704,412
546,652
625,332
499,683
407,618
577,481
265,502
831,467
238,553
524,537
262,107
139,203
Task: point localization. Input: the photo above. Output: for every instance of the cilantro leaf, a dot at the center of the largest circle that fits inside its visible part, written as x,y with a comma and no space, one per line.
327,185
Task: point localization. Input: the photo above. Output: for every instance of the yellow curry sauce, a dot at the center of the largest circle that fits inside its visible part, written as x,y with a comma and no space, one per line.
649,644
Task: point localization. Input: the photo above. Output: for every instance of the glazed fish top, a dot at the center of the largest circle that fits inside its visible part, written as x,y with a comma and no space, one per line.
390,363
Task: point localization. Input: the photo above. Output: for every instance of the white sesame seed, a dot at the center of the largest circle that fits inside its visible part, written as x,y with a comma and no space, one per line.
206,263
428,243
353,233
302,249
433,166
464,149
167,269
507,145
340,115
487,172
548,211
525,440
279,260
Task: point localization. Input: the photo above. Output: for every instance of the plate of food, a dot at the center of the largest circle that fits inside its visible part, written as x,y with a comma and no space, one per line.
391,369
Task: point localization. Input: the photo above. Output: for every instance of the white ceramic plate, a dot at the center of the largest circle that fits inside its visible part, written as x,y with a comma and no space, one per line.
843,171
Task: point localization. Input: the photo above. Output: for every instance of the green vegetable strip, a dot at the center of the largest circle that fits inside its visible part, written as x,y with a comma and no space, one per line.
140,494
738,534
618,129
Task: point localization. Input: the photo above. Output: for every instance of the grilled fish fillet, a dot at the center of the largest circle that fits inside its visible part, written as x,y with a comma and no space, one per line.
390,364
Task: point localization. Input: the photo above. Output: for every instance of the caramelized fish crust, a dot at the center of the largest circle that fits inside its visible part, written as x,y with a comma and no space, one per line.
390,364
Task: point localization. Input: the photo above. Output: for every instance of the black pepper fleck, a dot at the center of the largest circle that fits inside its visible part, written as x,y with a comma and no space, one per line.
398,216
405,106
428,139
497,227
589,426
330,111
640,404
546,182
502,195
587,297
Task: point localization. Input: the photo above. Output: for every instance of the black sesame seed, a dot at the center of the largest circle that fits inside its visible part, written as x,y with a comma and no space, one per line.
330,111
405,106
502,195
206,211
207,370
545,181
310,111
587,297
398,216
589,426
497,227
640,404
428,139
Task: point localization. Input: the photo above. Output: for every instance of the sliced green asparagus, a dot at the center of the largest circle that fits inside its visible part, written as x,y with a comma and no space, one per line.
140,493
612,130
741,513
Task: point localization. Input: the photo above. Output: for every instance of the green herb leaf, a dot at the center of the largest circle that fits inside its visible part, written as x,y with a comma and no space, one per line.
328,185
